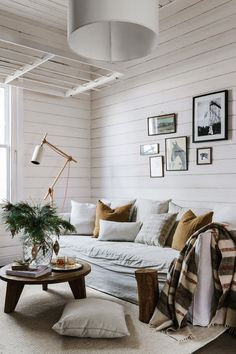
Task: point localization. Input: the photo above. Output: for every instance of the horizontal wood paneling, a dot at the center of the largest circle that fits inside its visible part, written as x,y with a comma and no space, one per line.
197,54
67,123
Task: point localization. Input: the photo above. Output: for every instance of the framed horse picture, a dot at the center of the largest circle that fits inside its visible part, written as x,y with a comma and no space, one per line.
176,154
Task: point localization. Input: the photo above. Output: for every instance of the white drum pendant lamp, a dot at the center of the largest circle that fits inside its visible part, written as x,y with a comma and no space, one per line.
112,30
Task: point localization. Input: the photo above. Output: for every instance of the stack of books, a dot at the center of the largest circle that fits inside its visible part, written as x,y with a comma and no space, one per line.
28,272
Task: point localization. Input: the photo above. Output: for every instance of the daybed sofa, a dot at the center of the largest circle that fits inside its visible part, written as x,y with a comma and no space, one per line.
114,263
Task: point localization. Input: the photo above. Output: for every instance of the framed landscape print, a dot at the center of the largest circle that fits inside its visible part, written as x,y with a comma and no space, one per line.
164,124
149,149
156,166
210,117
204,156
176,154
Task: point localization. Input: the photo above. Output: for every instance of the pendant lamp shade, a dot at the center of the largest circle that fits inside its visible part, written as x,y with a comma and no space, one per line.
112,30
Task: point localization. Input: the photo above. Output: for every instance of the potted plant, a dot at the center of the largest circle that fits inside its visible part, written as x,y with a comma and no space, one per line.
36,223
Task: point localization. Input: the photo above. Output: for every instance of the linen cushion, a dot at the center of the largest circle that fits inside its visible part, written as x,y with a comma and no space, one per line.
225,214
188,224
155,229
93,318
180,210
118,231
175,208
116,203
146,207
83,217
104,212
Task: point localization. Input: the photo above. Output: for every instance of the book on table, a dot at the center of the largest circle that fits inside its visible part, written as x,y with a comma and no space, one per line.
31,273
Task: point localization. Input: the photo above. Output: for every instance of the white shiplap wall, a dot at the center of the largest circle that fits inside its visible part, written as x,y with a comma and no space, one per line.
67,122
197,54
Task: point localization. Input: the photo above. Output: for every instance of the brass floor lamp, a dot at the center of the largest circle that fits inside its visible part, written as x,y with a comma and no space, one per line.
37,157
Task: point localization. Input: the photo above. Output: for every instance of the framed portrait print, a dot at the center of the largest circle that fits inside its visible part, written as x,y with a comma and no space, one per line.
204,156
149,149
176,154
164,124
210,117
156,166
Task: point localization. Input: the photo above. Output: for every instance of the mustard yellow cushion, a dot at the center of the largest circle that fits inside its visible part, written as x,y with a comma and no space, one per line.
188,224
104,212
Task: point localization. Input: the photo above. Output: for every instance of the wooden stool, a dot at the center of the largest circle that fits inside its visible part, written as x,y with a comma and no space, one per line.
148,292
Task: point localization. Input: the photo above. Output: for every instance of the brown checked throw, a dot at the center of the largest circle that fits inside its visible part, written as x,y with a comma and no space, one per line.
177,294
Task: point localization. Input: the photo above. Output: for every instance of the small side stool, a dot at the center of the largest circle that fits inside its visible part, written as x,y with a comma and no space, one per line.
148,292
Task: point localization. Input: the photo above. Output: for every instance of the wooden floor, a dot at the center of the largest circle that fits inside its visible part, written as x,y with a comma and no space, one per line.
225,344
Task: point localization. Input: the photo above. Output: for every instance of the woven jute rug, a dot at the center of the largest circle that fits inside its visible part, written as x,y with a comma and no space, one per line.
29,329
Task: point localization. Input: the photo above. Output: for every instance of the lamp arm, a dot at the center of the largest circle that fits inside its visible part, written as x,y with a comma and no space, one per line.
50,189
56,149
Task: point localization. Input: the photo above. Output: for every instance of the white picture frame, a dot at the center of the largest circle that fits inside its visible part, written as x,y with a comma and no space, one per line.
156,166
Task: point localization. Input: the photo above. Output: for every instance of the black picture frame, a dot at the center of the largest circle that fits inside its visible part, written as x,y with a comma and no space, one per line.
154,124
156,166
179,147
210,117
149,149
201,157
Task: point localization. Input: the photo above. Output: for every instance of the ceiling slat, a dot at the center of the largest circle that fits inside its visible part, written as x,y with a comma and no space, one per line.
28,67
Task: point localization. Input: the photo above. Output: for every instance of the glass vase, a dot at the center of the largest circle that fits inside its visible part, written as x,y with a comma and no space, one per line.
38,254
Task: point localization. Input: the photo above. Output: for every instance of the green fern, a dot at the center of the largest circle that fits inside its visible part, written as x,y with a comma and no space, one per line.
35,222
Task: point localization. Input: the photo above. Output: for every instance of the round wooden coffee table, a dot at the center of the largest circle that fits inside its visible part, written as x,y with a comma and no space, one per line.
15,285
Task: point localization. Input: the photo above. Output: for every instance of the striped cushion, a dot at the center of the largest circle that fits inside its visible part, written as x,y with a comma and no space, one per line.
156,229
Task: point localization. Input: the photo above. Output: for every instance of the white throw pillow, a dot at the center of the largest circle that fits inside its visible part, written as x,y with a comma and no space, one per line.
174,208
156,229
116,203
225,214
93,318
146,207
118,231
83,217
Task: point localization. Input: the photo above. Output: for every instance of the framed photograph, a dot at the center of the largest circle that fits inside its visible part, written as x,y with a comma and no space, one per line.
176,154
164,124
149,149
156,166
204,156
210,117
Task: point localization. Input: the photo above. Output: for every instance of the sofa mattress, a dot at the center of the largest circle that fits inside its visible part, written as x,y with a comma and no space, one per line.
117,256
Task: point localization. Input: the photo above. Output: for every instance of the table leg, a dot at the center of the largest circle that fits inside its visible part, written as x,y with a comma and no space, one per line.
45,286
78,288
13,294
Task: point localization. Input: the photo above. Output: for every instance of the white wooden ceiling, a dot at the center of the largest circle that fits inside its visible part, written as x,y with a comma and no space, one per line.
34,53
48,12
44,72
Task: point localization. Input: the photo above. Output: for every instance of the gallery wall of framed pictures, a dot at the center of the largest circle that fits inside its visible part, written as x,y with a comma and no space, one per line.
209,123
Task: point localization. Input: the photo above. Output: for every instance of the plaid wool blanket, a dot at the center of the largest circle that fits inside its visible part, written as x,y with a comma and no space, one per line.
177,294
